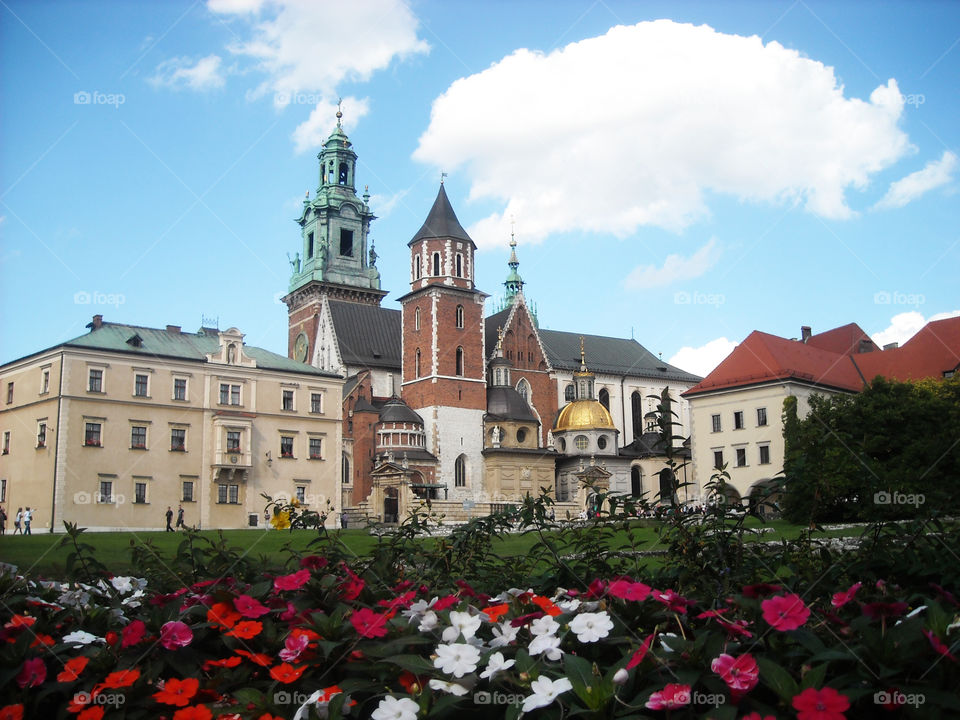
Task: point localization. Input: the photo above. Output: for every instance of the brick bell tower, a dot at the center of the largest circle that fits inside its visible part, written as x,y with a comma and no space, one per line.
444,377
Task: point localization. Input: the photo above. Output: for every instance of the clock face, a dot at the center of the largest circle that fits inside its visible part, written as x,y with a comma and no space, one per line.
300,348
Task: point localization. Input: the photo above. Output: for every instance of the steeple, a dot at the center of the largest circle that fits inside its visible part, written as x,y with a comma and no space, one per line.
513,283
583,379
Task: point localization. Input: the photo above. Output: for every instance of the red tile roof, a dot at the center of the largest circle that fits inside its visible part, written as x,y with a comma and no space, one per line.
934,350
844,339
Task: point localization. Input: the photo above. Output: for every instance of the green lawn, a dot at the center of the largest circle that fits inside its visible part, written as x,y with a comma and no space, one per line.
43,556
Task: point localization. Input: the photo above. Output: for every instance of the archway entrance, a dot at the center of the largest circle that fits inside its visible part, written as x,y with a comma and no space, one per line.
636,481
390,505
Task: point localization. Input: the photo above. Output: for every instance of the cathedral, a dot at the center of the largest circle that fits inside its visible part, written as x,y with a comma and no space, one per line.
444,402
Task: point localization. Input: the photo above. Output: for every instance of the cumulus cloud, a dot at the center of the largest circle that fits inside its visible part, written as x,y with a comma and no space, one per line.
934,174
313,131
904,326
704,359
635,127
675,267
182,72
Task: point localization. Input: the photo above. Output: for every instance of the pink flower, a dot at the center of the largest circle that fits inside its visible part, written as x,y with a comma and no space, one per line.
671,697
294,581
313,562
641,652
351,588
674,601
825,704
133,634
367,623
445,602
626,590
842,598
938,645
740,674
293,646
34,672
250,607
785,612
175,634
756,716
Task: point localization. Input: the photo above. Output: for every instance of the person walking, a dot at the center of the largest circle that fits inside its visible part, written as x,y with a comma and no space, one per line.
180,517
18,518
3,521
169,519
27,519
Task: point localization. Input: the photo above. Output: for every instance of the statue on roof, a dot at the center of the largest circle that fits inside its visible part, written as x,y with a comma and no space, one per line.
294,262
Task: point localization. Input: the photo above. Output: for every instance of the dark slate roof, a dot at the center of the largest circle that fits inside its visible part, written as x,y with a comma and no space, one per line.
397,411
650,444
156,342
441,222
363,406
505,403
368,335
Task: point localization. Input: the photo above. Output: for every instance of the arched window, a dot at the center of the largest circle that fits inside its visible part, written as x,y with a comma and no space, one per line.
604,398
417,370
523,387
459,316
344,174
436,263
416,319
568,393
460,472
459,265
416,268
636,481
459,361
345,470
636,412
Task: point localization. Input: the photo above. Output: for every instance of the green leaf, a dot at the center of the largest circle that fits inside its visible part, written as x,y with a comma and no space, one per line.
814,677
777,679
249,695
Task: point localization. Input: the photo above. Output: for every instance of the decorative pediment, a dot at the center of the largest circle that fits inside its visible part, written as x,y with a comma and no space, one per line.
231,350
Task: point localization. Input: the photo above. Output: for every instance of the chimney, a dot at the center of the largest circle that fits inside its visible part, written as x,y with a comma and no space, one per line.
866,345
97,322
891,346
805,332
175,329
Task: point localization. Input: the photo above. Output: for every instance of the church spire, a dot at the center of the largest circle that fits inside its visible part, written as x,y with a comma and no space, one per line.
513,283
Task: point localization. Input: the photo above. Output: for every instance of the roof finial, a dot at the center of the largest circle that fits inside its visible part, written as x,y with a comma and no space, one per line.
339,113
442,176
583,359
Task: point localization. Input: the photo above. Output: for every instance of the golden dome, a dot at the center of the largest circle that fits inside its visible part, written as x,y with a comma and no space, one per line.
584,415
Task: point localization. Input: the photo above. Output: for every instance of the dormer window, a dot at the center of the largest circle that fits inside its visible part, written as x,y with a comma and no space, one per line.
135,341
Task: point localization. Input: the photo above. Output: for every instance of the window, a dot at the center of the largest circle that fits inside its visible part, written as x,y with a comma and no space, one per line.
140,385
310,245
6,442
718,459
91,435
179,388
521,435
459,316
94,383
741,457
604,398
636,412
9,393
602,442
346,242
233,441
229,394
715,420
417,367
106,492
562,444
761,416
287,400
3,490
178,439
140,493
286,446
301,493
416,268
41,435
344,176
187,494
416,319
459,361
316,448
138,437
764,454
738,420
436,263
45,382
569,393
459,265
581,442
523,388
316,402
228,494
345,470
460,472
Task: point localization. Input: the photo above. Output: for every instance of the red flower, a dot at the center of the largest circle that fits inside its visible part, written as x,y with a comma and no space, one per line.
842,598
94,712
222,615
410,682
224,662
250,607
287,673
756,716
293,646
292,582
785,612
671,697
627,590
546,605
259,658
672,600
401,601
445,602
121,679
33,673
351,588
43,639
495,611
881,610
641,652
313,562
11,712
938,645
741,674
195,712
72,669
760,590
175,634
177,692
825,704
19,621
367,623
133,634
246,629
112,638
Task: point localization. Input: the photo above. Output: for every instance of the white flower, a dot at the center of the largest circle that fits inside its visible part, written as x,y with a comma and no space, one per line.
417,609
122,584
545,625
568,606
457,659
322,708
429,621
461,623
663,644
81,637
545,691
591,627
391,708
450,687
495,664
546,644
621,676
504,634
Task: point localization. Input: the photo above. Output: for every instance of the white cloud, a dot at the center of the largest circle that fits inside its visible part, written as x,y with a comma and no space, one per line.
634,127
905,325
675,267
934,174
312,132
182,72
704,359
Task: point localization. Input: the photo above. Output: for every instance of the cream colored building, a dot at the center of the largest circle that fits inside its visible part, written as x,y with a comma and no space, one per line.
110,429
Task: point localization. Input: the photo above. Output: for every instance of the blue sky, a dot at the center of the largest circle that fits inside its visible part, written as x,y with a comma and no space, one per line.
680,172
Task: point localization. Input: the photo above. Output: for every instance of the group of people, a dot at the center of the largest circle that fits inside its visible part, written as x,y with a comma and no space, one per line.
170,517
21,523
